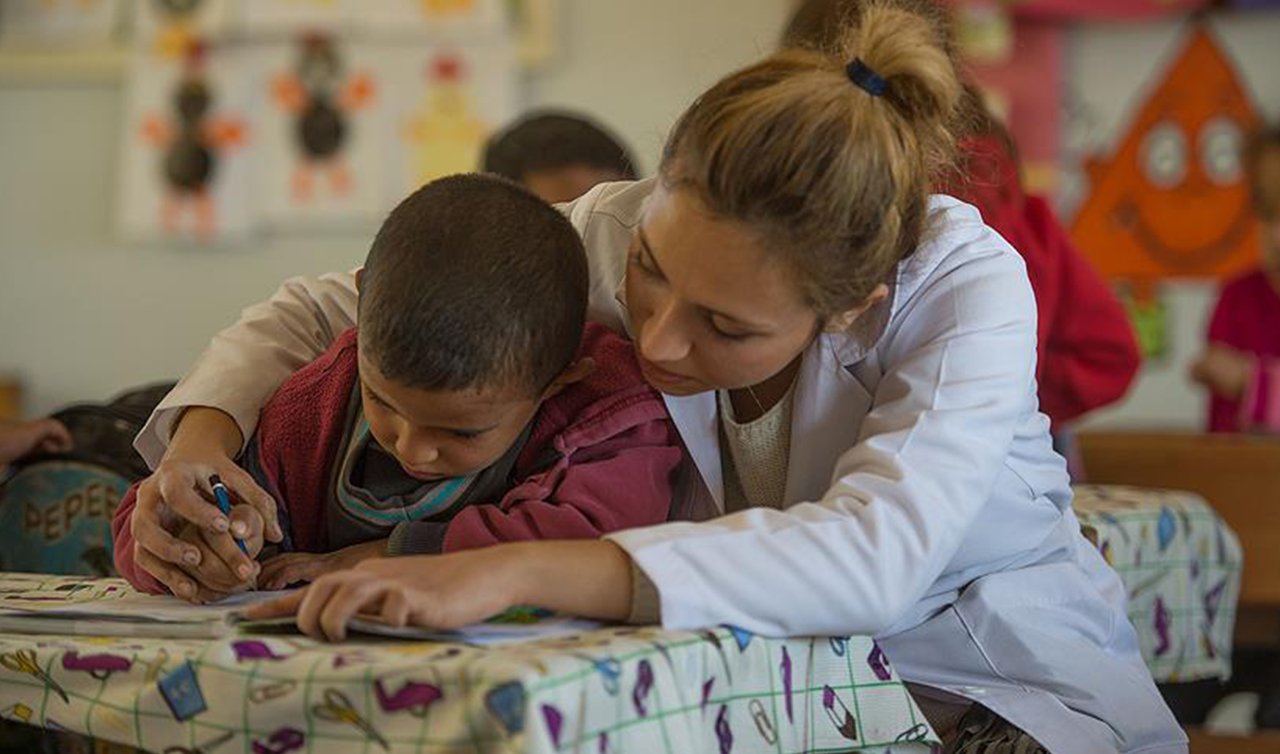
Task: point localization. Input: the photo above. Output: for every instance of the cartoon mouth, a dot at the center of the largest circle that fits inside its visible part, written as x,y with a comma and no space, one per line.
1186,259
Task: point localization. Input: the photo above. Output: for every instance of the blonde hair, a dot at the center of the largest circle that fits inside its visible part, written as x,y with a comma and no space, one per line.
834,178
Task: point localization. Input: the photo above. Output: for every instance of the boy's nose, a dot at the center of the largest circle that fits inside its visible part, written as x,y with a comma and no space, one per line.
416,454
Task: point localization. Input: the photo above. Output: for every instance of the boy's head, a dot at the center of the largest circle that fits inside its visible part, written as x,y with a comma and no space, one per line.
472,305
557,156
1262,157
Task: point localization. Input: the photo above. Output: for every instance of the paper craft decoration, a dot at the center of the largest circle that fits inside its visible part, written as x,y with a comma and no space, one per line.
53,22
319,156
292,17
455,20
1171,200
182,175
442,104
168,28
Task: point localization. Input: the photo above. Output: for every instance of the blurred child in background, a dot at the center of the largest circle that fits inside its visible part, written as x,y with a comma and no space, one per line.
1241,366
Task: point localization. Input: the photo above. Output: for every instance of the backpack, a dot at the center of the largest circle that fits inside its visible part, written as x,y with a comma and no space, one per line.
56,508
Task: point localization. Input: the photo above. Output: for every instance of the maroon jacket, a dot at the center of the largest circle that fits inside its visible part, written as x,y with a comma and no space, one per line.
601,456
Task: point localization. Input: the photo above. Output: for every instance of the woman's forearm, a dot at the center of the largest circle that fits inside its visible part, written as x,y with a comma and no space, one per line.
206,428
590,578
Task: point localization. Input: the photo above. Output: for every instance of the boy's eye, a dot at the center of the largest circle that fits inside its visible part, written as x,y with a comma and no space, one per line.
464,434
638,260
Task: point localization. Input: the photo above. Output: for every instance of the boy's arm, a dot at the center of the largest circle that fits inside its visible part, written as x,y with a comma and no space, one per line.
620,483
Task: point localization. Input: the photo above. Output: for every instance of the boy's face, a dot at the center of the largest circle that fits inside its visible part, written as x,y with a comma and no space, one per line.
437,434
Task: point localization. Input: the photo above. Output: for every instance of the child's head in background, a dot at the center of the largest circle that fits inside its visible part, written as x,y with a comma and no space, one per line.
558,156
1262,160
472,306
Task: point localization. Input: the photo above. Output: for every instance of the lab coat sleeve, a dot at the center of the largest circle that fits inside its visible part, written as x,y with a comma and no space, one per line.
245,363
958,378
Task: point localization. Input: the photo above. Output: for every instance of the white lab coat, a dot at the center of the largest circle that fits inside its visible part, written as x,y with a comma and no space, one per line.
925,505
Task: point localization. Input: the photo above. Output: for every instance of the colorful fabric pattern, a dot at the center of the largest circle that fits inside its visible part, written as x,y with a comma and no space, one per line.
613,690
1181,566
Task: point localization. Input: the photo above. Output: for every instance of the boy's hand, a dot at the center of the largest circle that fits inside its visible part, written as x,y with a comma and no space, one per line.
18,439
204,444
222,569
433,591
293,567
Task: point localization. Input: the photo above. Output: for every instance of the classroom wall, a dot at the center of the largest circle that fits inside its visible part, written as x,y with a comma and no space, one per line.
1106,65
83,316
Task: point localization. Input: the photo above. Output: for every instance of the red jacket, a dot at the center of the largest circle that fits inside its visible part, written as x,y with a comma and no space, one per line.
1087,353
601,456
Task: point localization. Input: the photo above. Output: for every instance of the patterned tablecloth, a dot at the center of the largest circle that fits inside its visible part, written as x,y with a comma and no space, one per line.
610,690
1181,565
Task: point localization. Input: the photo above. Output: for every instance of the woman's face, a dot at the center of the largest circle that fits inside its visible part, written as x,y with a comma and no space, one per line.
709,308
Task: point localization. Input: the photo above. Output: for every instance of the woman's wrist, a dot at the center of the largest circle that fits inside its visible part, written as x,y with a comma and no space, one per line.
204,429
588,578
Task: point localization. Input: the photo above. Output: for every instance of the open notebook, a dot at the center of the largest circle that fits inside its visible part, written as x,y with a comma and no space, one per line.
71,605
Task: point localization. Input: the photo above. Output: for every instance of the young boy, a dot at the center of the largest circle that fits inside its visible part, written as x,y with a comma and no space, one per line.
558,155
472,407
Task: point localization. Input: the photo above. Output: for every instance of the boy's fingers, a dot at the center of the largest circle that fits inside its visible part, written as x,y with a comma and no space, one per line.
276,608
173,578
248,490
238,568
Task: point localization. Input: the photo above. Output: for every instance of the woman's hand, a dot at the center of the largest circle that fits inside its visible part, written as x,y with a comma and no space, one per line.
176,496
587,578
294,567
1224,370
18,439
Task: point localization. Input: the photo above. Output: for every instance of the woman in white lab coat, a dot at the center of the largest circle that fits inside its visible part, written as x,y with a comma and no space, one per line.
850,363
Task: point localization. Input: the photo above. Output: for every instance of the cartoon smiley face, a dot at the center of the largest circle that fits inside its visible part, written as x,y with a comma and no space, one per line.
1172,201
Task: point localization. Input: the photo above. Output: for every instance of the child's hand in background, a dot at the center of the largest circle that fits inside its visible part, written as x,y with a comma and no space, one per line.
1223,370
18,439
218,574
293,567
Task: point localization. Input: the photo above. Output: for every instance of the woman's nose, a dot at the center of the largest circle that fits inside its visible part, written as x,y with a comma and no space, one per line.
663,337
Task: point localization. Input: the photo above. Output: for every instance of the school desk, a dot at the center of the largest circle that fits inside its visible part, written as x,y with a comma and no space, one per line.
1180,564
615,689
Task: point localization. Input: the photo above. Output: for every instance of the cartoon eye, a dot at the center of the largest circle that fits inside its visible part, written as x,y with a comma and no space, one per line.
1164,155
1220,144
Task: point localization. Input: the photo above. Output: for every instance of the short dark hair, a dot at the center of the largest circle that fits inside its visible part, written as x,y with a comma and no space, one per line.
547,140
473,282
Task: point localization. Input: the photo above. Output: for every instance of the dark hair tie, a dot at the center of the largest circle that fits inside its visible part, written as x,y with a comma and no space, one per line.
866,79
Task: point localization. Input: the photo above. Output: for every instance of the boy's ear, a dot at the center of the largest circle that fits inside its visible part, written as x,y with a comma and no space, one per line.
359,280
575,372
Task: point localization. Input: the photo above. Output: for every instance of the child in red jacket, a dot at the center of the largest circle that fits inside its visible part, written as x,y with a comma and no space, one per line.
472,407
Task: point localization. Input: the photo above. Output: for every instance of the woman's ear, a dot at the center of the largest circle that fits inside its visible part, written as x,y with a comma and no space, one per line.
359,279
844,320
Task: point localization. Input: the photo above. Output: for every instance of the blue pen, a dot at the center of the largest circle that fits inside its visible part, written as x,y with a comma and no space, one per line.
224,504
